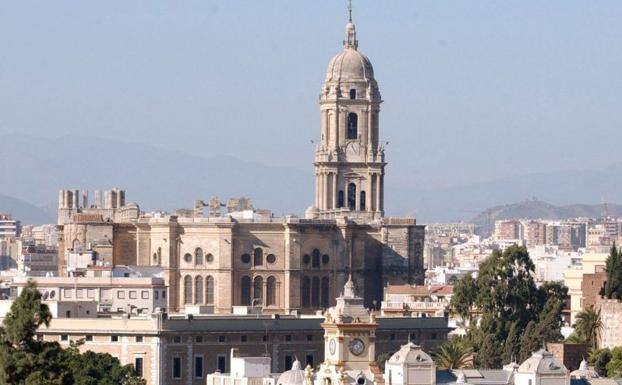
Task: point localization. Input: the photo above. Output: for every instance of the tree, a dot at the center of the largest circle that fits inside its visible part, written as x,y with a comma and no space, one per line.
599,359
463,299
453,354
382,359
26,361
613,268
614,366
588,325
506,294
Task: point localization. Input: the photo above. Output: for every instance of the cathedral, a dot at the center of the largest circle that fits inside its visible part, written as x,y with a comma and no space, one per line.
249,258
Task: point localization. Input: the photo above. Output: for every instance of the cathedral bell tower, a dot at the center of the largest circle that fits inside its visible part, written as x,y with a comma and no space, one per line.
349,159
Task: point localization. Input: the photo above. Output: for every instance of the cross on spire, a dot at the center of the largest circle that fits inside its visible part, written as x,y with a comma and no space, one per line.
350,10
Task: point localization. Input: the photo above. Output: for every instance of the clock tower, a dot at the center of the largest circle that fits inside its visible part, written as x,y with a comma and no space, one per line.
349,343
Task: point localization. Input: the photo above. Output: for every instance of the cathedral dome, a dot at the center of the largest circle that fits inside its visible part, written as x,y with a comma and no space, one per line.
350,64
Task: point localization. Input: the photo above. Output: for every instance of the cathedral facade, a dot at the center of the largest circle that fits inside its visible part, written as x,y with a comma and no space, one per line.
247,258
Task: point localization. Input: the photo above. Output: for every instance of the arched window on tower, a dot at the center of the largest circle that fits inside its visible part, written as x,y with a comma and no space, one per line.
258,257
352,196
315,258
246,290
325,293
306,292
187,290
340,199
271,291
209,290
315,292
198,256
353,93
353,122
257,291
362,201
198,290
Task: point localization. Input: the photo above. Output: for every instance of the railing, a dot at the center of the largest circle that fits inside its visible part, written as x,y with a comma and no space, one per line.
388,305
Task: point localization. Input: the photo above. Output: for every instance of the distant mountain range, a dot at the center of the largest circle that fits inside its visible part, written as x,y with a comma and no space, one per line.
534,209
33,169
24,211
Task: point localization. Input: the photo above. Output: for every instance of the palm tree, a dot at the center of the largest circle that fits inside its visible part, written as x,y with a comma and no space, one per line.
588,325
453,354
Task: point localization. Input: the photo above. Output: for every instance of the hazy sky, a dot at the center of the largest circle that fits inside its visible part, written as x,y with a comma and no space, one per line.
472,89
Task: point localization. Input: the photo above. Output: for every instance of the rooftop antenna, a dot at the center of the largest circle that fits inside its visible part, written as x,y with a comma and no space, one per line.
350,10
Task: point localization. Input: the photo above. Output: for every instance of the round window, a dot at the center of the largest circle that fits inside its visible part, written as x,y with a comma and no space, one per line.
271,258
325,259
245,258
188,257
52,294
209,258
306,259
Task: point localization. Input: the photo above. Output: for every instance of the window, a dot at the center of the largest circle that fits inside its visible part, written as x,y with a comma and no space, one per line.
139,339
309,337
198,256
177,339
188,257
80,293
288,338
209,290
306,291
198,290
257,291
392,337
163,294
39,337
315,258
121,294
325,259
133,294
246,290
114,338
198,366
309,360
340,199
258,257
138,366
306,259
243,339
315,292
434,336
270,258
325,292
221,338
64,337
88,338
362,200
68,314
221,363
67,293
264,338
353,125
245,258
90,293
271,291
187,290
198,339
144,294
288,362
352,96
156,294
177,368
352,196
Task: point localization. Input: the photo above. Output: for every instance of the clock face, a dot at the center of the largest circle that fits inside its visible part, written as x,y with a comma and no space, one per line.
332,346
357,346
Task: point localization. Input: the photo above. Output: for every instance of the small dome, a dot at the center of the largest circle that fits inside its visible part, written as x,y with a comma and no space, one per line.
584,371
295,376
411,354
311,212
542,362
350,65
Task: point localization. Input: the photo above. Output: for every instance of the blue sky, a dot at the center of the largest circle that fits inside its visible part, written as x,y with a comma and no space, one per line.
473,90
